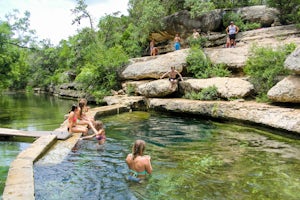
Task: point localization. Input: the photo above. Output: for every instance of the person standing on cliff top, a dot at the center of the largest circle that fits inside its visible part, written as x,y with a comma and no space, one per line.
232,30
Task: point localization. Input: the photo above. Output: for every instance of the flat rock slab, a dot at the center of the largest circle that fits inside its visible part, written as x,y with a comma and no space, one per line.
61,135
260,113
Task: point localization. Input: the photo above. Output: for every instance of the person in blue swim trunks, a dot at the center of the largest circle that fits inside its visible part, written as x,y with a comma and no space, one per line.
177,40
139,164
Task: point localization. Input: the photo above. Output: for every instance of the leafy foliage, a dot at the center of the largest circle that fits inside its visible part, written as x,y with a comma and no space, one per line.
198,8
209,93
288,9
265,66
146,16
14,38
93,58
98,79
197,42
201,67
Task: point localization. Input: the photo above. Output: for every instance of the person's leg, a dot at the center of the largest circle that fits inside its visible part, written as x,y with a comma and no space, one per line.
173,83
79,129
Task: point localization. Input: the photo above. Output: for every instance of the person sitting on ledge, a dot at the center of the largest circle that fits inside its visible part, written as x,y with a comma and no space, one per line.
73,127
172,76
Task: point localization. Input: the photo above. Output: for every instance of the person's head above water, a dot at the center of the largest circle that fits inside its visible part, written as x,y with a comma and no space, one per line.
138,148
98,125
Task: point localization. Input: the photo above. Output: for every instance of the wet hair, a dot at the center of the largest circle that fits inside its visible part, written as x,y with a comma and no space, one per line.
84,101
138,148
73,108
98,125
81,104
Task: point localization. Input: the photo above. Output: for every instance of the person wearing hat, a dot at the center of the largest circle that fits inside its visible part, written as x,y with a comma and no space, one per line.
232,30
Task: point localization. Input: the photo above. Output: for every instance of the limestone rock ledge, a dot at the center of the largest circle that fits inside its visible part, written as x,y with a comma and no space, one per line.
259,113
287,90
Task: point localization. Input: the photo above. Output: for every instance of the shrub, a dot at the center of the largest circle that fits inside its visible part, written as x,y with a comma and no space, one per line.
200,66
265,65
197,43
130,89
209,93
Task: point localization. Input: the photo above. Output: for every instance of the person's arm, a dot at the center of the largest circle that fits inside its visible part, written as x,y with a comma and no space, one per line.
237,29
92,127
128,159
164,75
87,137
101,132
70,120
148,165
179,75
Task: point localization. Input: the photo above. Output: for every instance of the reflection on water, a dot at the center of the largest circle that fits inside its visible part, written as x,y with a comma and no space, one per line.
32,112
26,112
191,158
8,151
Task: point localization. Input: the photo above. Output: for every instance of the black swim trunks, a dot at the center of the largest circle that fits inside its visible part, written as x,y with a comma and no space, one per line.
232,36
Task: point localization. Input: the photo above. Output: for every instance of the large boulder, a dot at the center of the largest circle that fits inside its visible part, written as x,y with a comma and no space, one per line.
158,88
154,68
227,87
131,87
292,62
262,14
233,58
287,90
182,22
124,99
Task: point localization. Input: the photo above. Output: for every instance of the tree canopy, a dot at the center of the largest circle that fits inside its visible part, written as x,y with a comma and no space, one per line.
93,56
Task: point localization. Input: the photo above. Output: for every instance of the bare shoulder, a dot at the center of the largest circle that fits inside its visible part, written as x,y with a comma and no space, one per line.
147,157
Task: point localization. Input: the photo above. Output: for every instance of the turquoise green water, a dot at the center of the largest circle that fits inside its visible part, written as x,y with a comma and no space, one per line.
26,112
192,159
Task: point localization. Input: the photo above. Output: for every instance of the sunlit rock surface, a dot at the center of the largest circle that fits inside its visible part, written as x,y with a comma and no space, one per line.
287,90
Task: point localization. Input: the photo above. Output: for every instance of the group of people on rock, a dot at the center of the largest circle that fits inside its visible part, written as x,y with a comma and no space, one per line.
231,30
79,122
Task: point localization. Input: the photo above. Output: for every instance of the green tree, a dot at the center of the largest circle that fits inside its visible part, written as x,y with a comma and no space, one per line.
99,78
289,10
80,12
111,28
198,8
145,18
15,41
44,64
